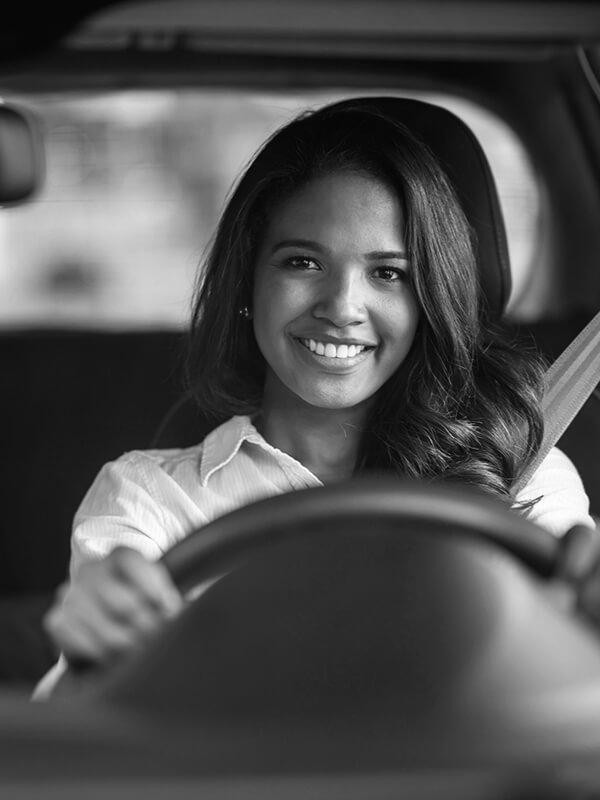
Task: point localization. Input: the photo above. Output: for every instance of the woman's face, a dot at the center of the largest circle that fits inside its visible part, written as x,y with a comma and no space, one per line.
334,312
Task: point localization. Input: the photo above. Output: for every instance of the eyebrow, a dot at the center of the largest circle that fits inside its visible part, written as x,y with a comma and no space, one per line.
381,254
374,255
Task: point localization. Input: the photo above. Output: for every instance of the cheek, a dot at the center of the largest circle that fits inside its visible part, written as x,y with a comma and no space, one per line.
278,302
399,324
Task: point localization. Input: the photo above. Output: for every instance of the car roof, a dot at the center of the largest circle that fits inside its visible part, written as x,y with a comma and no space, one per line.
415,28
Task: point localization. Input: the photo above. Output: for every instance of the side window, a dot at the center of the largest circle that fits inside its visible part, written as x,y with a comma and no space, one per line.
135,184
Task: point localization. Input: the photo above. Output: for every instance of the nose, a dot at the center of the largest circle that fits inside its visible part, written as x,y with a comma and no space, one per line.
341,299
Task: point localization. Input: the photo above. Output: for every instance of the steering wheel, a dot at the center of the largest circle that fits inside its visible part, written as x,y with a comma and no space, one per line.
361,573
370,626
365,503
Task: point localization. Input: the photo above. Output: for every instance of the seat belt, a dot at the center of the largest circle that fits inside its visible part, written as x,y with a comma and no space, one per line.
569,382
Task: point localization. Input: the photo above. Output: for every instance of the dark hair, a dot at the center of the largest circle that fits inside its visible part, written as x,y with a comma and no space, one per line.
464,404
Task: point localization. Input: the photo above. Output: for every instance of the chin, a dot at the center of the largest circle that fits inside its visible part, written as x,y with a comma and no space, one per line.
332,403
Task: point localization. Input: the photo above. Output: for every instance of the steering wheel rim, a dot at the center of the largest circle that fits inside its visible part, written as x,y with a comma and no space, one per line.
418,641
215,548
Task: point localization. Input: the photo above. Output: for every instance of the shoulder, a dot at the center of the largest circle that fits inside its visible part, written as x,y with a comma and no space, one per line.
159,476
144,461
145,467
220,444
148,500
559,497
141,500
556,472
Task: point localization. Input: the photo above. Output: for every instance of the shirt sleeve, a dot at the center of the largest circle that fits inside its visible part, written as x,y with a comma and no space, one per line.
122,508
562,501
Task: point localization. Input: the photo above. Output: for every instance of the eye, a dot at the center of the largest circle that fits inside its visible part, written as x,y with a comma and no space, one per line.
301,263
390,274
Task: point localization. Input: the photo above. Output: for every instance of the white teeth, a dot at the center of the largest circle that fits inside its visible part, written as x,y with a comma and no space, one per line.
329,350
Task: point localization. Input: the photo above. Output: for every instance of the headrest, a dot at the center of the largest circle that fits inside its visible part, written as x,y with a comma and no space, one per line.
462,158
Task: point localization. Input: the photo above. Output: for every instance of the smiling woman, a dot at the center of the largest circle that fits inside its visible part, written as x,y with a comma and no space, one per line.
343,284
334,312
344,323
455,401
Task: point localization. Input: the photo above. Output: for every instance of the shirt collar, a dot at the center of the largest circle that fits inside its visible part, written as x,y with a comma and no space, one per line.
222,444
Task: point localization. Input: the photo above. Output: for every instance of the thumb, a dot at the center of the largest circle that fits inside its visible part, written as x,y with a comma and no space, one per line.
579,566
579,551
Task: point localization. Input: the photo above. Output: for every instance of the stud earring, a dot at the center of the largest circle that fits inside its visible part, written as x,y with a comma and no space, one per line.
244,312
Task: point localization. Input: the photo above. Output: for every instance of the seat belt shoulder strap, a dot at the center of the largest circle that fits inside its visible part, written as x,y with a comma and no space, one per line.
568,383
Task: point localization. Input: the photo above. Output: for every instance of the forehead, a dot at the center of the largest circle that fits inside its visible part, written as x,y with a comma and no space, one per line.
339,207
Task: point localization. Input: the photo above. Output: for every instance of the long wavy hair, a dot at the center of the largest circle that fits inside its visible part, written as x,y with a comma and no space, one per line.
465,403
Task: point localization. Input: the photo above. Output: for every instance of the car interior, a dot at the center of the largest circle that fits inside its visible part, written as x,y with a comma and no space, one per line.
122,127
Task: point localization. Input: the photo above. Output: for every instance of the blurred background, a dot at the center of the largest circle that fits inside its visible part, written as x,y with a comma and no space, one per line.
135,184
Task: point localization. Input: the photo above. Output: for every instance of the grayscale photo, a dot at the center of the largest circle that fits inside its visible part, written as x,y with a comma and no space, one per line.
300,356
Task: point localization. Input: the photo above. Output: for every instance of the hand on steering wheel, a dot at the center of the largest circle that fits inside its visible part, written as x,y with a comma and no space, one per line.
372,512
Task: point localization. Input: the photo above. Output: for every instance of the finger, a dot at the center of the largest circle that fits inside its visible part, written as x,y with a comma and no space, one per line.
579,553
589,595
126,605
82,629
72,640
149,578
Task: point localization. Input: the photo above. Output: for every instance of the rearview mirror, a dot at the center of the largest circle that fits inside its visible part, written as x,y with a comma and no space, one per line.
21,155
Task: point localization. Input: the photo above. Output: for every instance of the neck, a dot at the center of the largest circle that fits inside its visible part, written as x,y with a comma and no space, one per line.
325,441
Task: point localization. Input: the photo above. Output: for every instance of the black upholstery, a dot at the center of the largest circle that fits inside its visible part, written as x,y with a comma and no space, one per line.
74,401
70,402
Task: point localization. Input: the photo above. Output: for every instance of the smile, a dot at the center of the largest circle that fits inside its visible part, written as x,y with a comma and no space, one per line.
330,350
